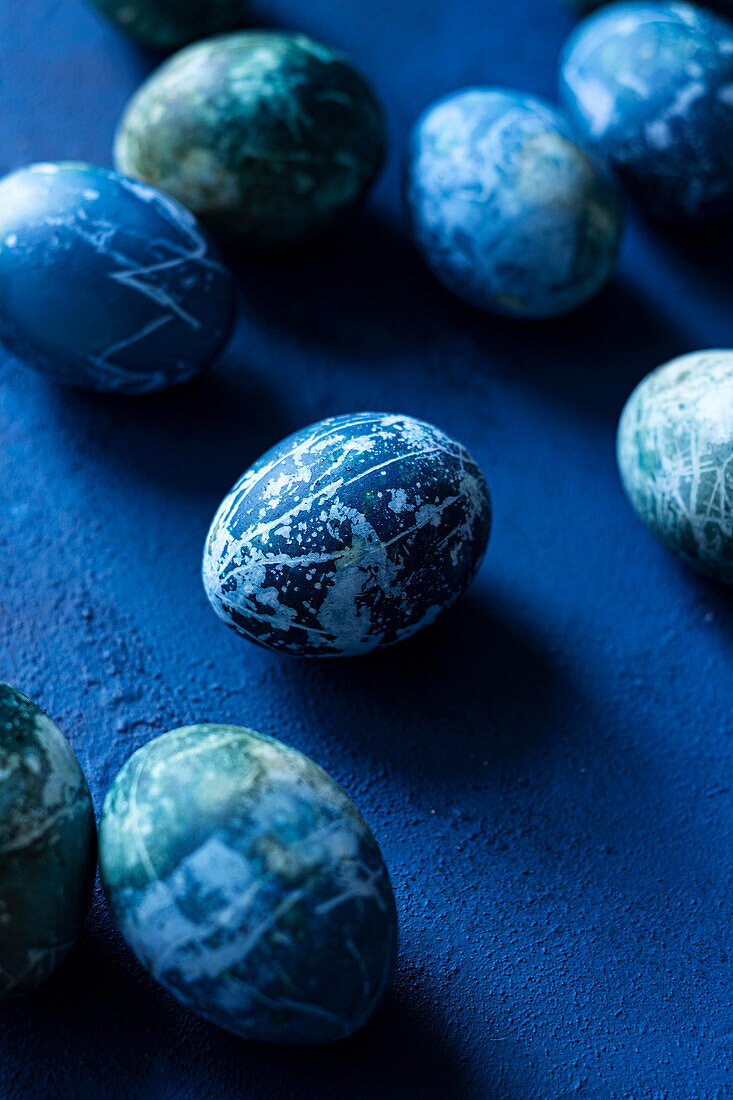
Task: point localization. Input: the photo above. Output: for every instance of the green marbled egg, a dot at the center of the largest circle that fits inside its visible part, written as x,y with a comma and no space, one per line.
168,24
675,456
249,885
47,845
269,137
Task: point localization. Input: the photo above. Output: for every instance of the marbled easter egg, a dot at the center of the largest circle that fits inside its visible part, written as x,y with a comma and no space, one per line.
270,137
168,24
675,456
650,85
105,283
348,536
508,211
47,845
249,885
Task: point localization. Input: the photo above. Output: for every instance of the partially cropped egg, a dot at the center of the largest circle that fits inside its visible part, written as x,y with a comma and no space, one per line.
168,24
650,86
105,283
270,137
675,456
348,536
507,210
250,886
47,845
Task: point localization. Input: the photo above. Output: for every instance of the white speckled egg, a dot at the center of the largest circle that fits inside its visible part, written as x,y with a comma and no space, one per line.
350,535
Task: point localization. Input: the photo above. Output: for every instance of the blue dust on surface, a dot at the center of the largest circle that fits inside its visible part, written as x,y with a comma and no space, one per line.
547,771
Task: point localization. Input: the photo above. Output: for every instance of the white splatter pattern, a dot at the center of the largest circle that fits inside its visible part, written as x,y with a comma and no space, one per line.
353,534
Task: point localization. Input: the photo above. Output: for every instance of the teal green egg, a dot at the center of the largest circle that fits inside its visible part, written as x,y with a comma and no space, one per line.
168,24
249,885
47,845
270,137
675,457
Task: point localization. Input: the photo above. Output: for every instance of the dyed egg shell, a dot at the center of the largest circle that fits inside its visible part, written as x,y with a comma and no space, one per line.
350,535
508,212
675,456
168,24
249,885
270,137
106,284
650,85
47,845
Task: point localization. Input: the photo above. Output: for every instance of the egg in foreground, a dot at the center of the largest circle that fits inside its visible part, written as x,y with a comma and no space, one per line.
47,845
650,86
270,137
507,210
105,283
675,456
350,535
249,885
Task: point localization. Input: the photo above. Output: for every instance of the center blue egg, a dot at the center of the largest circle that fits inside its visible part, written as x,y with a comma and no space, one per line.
106,283
348,536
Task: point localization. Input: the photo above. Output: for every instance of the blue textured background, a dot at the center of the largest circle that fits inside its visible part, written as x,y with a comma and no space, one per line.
548,771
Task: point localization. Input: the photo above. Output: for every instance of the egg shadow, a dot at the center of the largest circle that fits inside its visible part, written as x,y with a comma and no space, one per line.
101,1004
360,289
480,685
366,294
401,1052
197,438
591,359
704,249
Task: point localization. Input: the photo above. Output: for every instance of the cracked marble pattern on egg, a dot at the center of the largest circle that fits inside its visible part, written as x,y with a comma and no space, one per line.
249,884
269,137
507,210
47,845
675,456
105,283
350,535
650,86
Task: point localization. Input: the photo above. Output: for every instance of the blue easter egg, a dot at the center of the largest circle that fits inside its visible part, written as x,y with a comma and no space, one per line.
650,86
675,457
105,283
249,885
48,849
350,535
508,211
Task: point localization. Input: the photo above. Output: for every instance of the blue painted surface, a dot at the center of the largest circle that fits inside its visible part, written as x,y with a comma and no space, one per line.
650,86
507,209
546,772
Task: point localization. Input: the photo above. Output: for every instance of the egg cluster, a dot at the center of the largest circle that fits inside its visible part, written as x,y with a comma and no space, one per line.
240,874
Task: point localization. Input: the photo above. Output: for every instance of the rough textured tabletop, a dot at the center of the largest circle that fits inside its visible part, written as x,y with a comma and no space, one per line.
547,771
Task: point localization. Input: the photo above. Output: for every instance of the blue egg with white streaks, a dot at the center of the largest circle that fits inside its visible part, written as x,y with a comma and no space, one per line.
248,883
348,536
508,211
106,283
650,86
